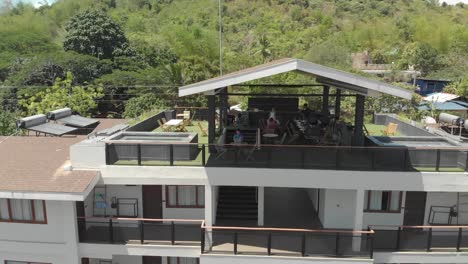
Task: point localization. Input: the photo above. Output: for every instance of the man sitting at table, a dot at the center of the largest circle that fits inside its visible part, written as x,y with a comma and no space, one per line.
306,111
238,137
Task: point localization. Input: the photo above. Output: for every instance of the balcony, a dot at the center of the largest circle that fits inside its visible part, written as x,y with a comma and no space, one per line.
139,231
421,238
290,242
286,242
371,158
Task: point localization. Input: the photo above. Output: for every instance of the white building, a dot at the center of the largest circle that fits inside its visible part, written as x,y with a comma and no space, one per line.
145,197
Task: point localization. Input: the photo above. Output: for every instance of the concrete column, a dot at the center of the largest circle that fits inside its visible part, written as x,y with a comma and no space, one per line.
71,232
223,105
211,119
261,205
359,121
358,218
210,212
326,92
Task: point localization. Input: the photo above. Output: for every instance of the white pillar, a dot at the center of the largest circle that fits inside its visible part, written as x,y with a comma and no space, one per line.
70,231
210,212
358,218
261,205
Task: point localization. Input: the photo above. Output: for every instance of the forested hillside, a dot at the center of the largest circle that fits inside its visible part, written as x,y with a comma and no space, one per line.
160,43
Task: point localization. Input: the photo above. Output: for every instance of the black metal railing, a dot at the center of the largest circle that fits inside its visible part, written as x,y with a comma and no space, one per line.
139,230
289,156
421,238
289,242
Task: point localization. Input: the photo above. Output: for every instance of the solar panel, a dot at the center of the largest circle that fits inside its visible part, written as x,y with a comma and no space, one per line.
78,121
52,129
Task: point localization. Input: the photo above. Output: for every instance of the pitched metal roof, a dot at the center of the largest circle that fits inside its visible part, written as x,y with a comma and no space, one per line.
323,74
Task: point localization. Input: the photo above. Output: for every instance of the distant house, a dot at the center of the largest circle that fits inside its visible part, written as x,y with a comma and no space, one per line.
425,86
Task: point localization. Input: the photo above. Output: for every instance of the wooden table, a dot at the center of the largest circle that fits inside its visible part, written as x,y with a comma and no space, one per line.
173,123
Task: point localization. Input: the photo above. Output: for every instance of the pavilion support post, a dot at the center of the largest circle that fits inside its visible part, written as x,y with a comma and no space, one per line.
337,104
325,100
223,106
211,121
359,121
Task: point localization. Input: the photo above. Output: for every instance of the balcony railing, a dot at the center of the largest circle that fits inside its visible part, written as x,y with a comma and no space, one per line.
139,231
289,156
421,238
290,242
227,240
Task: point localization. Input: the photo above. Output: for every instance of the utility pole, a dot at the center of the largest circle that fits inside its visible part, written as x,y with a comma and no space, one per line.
220,38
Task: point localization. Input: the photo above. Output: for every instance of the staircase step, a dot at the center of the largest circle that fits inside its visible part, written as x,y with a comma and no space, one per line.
237,203
243,217
240,206
236,210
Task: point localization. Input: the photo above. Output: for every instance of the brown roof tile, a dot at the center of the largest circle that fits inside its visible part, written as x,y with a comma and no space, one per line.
35,164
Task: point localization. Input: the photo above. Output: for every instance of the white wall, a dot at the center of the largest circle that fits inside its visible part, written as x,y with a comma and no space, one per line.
338,179
181,213
54,242
118,191
88,154
445,199
339,209
385,218
124,191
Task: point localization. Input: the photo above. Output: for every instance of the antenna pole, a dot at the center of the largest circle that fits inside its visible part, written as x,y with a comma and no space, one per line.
220,38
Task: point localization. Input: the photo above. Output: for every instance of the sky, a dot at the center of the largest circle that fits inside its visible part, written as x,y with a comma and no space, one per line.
36,3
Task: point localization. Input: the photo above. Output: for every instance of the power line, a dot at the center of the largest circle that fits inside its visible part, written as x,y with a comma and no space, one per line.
89,85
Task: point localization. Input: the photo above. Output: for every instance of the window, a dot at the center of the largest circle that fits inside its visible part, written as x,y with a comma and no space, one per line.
185,196
22,262
383,201
179,260
23,211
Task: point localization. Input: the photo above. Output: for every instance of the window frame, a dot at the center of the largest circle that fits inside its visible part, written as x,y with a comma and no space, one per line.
169,205
33,216
168,260
389,211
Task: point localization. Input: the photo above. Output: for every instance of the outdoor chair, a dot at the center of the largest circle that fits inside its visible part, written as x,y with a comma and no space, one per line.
182,127
282,140
203,130
184,115
390,130
163,126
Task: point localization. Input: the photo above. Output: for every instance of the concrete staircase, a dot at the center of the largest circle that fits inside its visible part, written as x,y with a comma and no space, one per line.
237,203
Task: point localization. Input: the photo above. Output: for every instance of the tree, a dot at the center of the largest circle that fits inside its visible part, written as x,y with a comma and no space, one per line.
421,55
7,123
459,87
94,33
136,106
80,99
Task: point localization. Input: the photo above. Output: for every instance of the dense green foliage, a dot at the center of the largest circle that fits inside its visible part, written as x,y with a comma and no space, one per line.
137,47
64,94
94,33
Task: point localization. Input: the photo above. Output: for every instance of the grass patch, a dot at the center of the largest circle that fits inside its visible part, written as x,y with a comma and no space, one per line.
433,169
